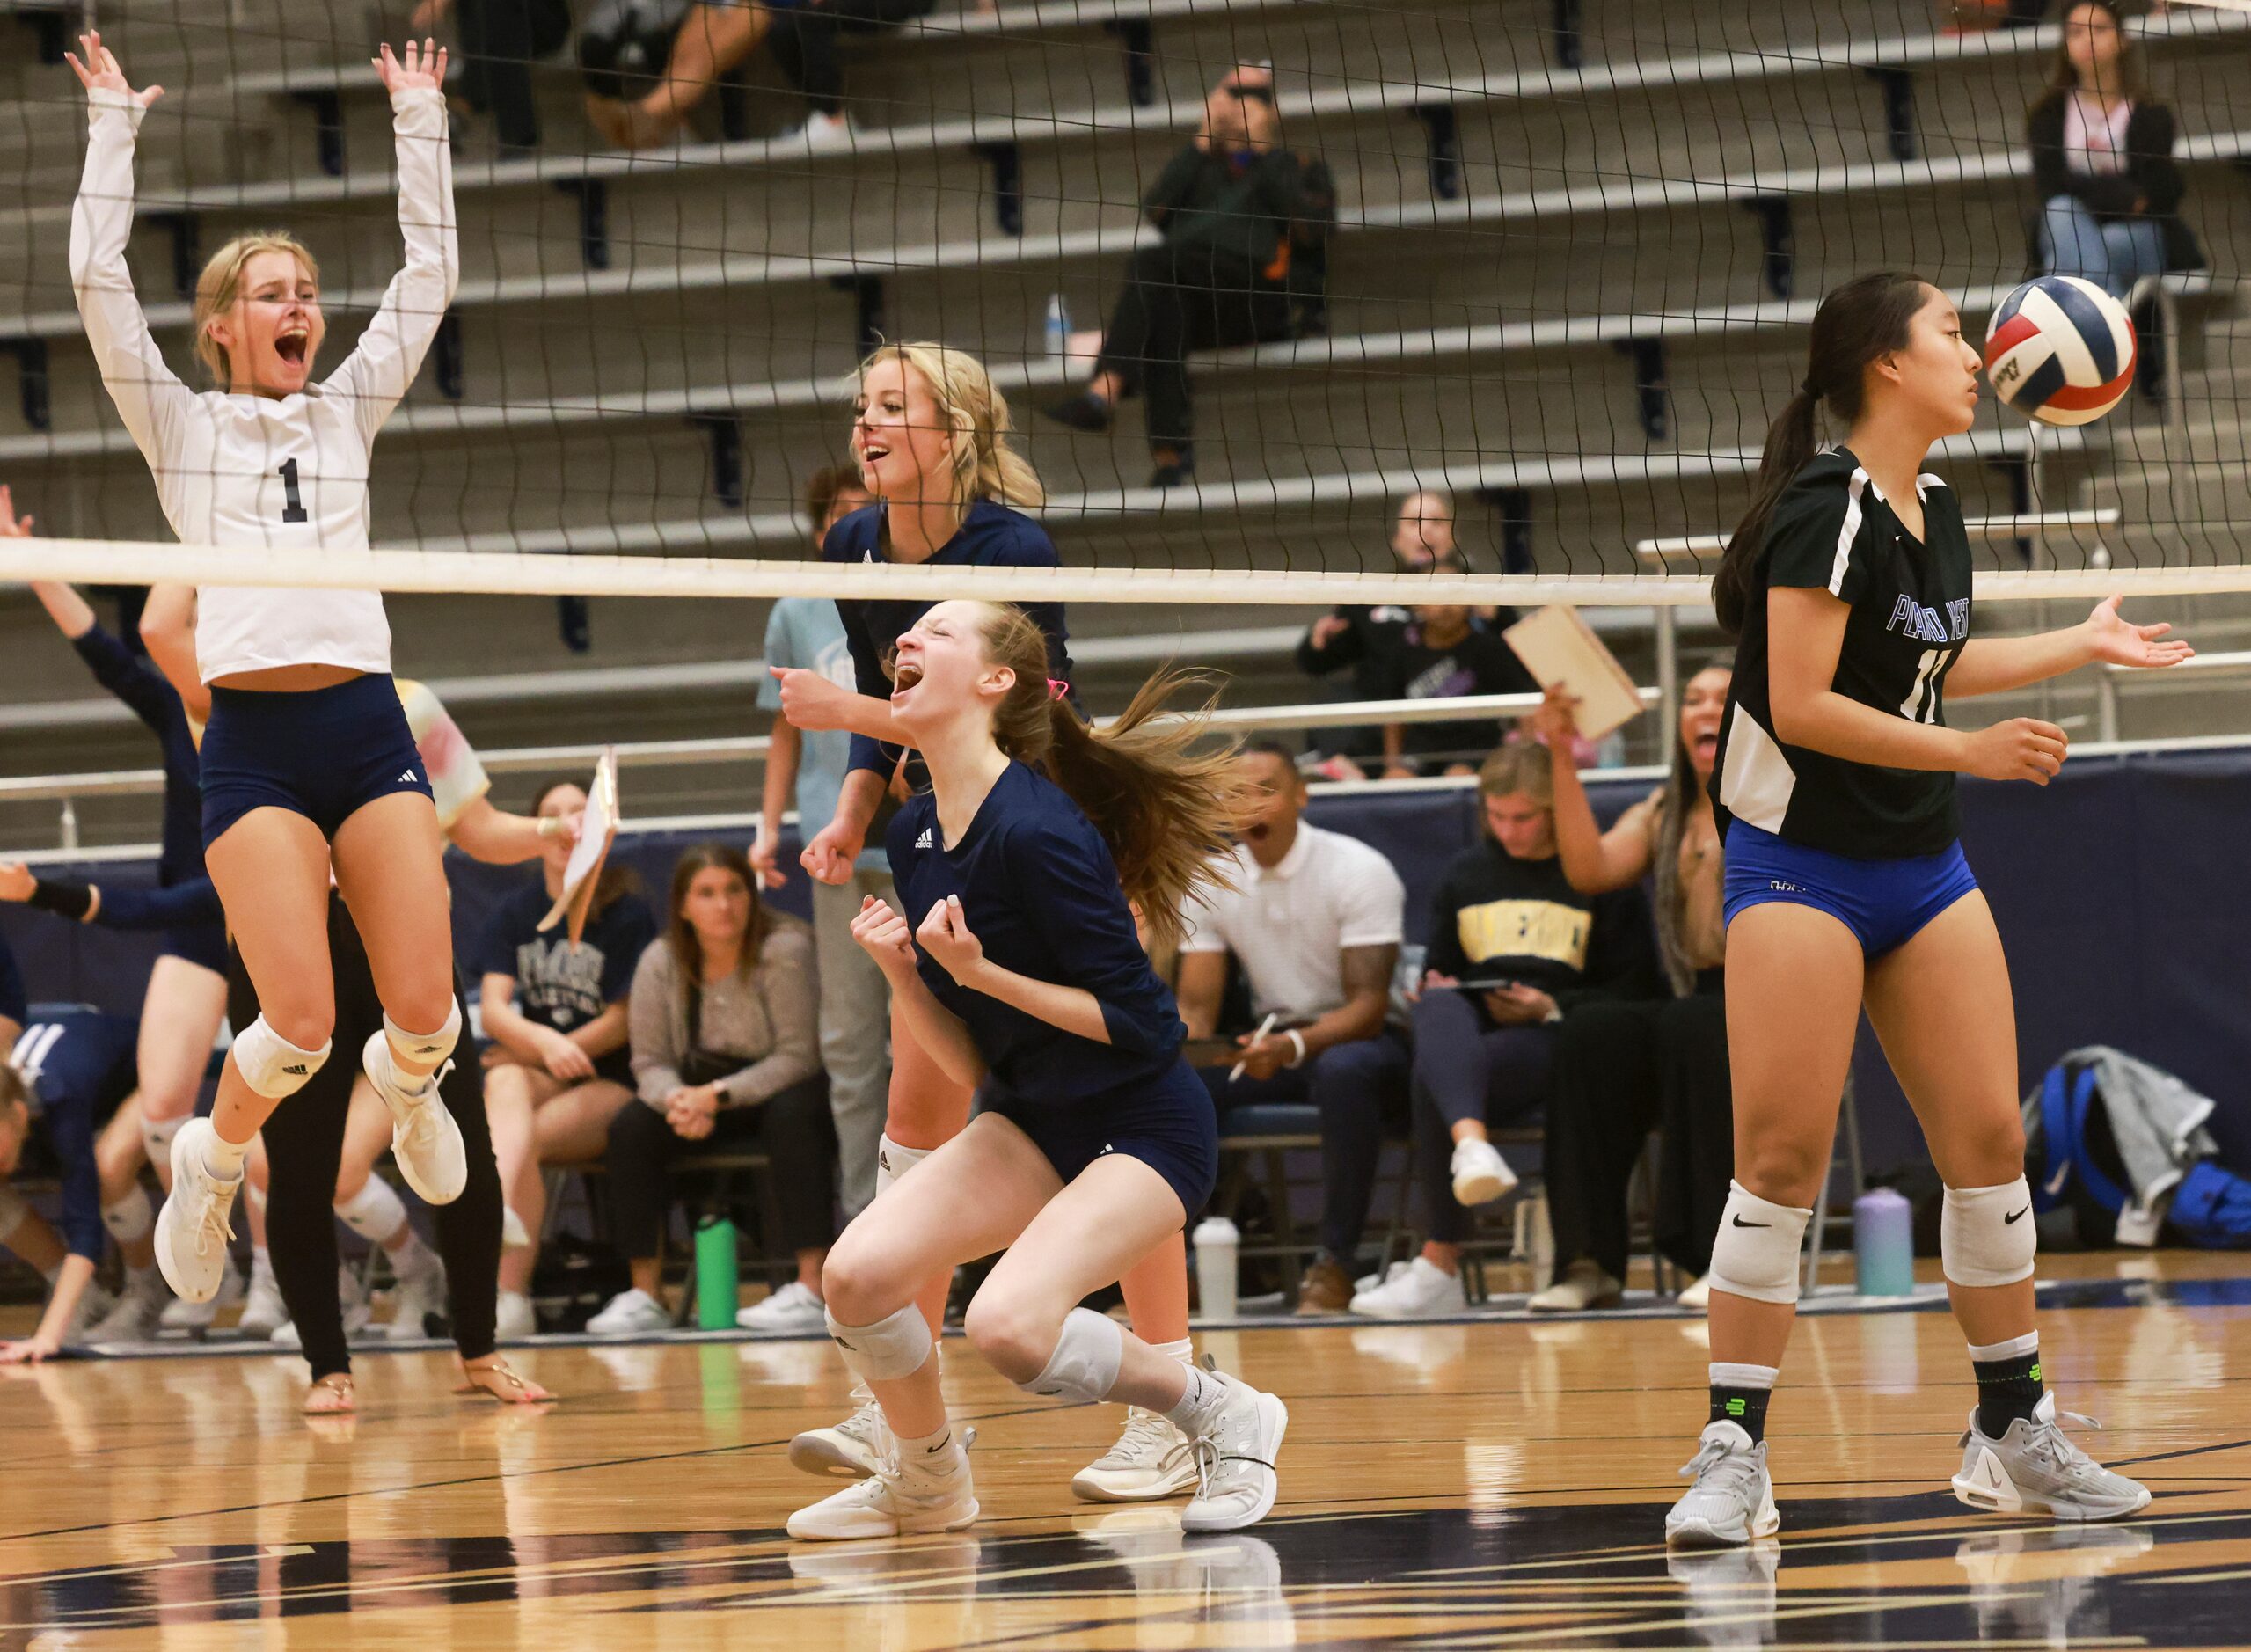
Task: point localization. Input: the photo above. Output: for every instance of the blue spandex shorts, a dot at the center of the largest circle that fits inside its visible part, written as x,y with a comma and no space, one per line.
203,944
1171,1129
324,753
1885,903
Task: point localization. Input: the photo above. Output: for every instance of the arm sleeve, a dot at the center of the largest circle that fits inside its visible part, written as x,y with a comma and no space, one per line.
149,397
1622,952
1203,926
194,902
131,678
788,984
376,374
2156,175
70,1131
2051,174
1345,648
1173,185
1814,543
649,1023
1374,903
1070,890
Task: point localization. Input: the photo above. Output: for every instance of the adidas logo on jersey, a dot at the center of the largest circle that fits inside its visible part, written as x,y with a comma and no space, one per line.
407,777
922,841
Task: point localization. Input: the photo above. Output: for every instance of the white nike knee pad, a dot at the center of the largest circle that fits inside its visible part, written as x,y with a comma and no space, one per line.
1985,1235
1756,1254
424,1050
271,1064
13,1210
1084,1368
893,1161
895,1346
130,1218
375,1213
156,1137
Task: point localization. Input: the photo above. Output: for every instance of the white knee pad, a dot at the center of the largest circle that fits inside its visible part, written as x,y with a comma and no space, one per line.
893,1161
130,1218
1084,1368
1985,1235
13,1210
1756,1254
271,1064
155,1136
895,1346
424,1050
375,1213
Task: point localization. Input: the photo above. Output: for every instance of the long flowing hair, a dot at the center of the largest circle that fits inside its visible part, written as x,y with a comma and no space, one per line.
1163,791
1865,318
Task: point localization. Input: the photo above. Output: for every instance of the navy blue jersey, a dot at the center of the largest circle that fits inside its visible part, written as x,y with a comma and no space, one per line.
79,1062
12,986
990,536
133,679
559,985
1041,893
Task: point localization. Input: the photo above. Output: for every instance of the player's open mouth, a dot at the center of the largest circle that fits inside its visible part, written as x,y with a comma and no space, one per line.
290,346
870,452
904,675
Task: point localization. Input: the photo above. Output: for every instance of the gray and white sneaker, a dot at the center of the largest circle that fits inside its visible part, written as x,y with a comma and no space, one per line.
1153,1458
424,1137
1733,1499
632,1313
351,1299
263,1311
2035,1466
138,1312
193,1232
1237,1480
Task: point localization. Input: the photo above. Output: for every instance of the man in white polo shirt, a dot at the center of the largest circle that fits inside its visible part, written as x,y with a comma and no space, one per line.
1314,921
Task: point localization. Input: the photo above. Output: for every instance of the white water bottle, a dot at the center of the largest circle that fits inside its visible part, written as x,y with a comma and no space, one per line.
1215,1240
1059,328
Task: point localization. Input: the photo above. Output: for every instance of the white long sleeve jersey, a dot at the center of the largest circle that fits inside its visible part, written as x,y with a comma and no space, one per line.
289,474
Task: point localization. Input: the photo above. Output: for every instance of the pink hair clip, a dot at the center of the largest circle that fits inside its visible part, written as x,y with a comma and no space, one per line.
1058,689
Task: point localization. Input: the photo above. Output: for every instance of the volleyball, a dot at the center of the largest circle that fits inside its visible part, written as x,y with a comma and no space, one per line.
2061,350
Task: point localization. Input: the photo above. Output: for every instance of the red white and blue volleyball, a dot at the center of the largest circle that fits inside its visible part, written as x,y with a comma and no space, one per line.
2060,349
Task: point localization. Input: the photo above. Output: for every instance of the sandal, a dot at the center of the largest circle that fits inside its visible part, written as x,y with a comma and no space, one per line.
332,1396
502,1383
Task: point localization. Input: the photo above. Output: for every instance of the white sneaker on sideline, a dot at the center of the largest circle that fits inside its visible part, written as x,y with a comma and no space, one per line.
516,1317
351,1298
1237,1478
1423,1291
137,1313
630,1313
1585,1284
1480,1174
1697,1296
424,1139
417,1295
822,131
193,1232
793,1310
1151,1459
1732,1502
263,1311
1370,1282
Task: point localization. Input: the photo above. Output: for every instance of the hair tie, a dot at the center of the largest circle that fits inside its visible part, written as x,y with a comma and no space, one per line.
1058,689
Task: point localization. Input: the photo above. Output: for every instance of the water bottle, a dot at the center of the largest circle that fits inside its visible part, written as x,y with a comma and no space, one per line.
1215,1240
1883,1243
715,1279
1059,328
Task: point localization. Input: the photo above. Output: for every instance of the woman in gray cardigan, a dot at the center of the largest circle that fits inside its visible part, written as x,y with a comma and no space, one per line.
725,1054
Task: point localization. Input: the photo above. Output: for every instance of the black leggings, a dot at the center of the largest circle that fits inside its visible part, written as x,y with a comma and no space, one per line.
1621,1068
794,1128
803,42
304,1149
499,41
1180,298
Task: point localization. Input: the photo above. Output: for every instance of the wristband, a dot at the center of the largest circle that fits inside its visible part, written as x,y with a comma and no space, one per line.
1297,1039
69,900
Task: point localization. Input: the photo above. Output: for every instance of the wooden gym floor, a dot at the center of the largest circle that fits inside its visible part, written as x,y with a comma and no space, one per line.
1489,1483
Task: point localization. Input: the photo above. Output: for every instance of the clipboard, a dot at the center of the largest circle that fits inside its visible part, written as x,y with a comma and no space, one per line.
1560,651
597,831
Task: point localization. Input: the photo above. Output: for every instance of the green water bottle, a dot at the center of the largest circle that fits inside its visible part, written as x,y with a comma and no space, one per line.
715,1280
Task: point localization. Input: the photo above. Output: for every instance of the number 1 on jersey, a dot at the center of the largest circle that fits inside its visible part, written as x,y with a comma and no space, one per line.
293,509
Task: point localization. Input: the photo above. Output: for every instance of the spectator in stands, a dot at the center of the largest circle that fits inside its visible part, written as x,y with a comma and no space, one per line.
2103,161
1245,225
806,633
500,41
76,1064
1444,652
804,41
556,1070
1625,1065
637,106
1314,923
1359,638
725,1052
1515,951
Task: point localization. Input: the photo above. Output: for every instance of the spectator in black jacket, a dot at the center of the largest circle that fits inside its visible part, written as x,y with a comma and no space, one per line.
2103,161
1245,225
1356,638
1445,652
1514,950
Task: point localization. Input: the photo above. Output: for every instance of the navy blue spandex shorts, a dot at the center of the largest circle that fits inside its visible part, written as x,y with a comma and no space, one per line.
1885,903
323,753
204,944
1172,1129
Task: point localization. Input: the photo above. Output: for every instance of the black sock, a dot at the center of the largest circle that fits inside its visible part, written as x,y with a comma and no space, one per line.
1746,1408
2007,1389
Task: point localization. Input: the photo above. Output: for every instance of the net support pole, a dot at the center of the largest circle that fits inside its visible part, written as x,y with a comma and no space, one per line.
1666,624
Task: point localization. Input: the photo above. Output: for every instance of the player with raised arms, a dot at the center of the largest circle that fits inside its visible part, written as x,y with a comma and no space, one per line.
1848,586
308,760
1022,973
